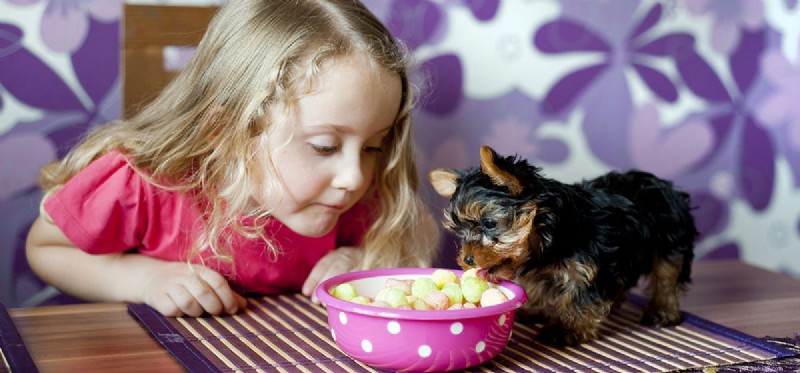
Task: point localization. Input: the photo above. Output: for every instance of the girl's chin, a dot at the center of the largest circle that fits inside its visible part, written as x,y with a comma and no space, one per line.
314,233
313,230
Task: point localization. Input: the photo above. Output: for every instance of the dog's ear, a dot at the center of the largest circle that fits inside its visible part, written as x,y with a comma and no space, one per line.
444,181
499,177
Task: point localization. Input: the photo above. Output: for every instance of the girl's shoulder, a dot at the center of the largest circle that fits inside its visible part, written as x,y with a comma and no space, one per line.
112,172
113,160
109,206
116,163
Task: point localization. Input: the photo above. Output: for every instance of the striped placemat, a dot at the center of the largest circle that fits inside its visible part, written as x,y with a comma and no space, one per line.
287,333
4,365
14,357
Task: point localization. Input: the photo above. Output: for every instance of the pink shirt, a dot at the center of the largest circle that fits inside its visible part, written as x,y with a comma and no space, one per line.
109,208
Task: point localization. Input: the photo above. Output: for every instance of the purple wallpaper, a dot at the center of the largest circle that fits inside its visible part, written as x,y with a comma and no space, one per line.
59,75
694,91
699,91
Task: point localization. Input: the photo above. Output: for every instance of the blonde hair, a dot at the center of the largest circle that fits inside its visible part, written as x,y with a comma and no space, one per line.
254,55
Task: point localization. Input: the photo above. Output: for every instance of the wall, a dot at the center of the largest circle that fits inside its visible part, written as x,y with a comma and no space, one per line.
59,75
699,91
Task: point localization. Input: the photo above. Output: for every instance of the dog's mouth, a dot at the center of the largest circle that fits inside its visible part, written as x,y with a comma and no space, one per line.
497,272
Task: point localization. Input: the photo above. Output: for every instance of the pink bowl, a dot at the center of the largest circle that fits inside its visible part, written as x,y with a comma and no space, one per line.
413,340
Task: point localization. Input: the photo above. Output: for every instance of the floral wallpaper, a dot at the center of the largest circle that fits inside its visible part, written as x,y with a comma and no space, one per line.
59,75
699,91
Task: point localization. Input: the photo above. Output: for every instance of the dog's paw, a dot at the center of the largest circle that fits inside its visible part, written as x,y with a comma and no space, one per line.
529,318
661,318
557,335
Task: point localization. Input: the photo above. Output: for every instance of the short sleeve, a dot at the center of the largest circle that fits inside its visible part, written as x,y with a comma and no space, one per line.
102,208
354,223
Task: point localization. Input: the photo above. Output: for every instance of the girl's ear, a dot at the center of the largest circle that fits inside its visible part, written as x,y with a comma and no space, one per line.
498,176
444,181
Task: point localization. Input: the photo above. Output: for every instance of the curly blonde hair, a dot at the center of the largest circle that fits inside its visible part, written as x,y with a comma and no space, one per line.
255,55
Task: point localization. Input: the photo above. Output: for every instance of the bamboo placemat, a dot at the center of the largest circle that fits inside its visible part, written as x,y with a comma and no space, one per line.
287,333
14,357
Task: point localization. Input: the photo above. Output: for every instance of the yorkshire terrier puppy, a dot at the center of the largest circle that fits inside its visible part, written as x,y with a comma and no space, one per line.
577,249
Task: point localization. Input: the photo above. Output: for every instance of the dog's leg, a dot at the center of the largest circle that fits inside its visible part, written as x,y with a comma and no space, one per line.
575,324
664,290
528,317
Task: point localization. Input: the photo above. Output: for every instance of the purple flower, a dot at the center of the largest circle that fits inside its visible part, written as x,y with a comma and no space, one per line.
65,23
520,143
725,251
417,22
669,152
66,113
566,36
414,21
727,117
778,112
736,120
603,87
711,214
730,16
506,123
22,176
780,108
483,10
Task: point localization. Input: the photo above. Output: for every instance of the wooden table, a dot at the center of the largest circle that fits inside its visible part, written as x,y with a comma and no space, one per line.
105,338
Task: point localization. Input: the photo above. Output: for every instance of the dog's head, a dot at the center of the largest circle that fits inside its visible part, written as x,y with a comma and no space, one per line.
492,211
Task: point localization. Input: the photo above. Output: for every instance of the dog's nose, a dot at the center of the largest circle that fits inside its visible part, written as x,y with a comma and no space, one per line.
469,260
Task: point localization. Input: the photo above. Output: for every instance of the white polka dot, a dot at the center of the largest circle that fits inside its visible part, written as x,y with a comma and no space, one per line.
502,320
456,328
480,347
343,318
393,327
333,334
366,346
424,351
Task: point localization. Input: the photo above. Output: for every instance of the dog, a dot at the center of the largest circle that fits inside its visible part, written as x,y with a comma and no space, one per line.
577,249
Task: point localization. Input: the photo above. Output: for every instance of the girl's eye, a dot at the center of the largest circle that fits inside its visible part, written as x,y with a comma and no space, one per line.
330,150
324,150
373,149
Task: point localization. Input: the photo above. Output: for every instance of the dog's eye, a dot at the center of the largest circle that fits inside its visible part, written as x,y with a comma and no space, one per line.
488,223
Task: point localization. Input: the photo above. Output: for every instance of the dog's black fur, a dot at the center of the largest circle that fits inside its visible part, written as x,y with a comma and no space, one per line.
577,249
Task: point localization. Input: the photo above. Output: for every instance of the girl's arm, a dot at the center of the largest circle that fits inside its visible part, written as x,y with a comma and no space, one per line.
172,288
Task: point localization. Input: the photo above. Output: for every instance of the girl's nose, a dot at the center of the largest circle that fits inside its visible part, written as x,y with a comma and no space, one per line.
350,174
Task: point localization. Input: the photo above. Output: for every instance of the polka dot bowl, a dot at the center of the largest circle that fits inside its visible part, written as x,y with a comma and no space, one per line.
416,340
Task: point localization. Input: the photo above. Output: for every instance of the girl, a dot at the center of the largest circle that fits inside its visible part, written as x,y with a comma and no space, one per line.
279,157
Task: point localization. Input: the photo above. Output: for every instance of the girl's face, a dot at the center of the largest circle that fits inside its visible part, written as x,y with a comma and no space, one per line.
327,152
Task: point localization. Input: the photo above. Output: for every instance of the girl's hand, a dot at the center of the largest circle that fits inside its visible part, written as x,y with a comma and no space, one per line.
176,289
336,262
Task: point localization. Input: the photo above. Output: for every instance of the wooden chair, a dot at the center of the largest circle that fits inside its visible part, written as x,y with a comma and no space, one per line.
148,31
